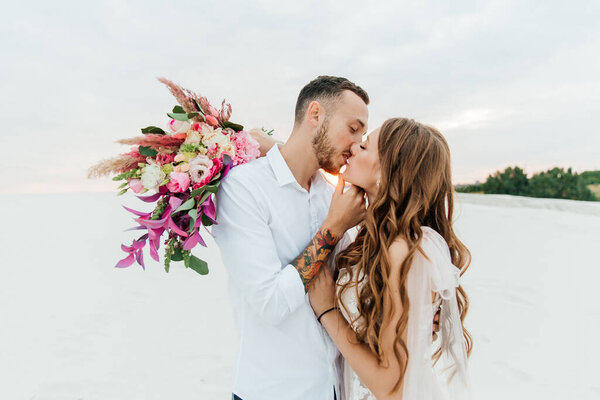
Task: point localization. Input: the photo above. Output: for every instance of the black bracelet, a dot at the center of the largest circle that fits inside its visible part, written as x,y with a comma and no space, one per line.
324,312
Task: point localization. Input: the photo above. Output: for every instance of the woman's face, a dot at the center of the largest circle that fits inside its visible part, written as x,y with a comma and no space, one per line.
362,169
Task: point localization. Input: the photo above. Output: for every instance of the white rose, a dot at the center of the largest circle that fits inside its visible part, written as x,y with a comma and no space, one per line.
176,126
152,176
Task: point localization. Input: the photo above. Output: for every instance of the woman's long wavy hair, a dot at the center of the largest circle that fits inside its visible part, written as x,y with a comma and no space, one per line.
415,190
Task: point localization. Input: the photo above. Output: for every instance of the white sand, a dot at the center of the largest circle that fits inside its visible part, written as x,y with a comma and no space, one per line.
73,327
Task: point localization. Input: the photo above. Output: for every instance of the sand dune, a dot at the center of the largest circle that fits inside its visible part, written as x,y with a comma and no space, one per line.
73,327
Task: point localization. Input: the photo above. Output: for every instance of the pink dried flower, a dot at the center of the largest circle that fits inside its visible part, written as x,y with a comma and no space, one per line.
225,112
154,141
163,159
180,95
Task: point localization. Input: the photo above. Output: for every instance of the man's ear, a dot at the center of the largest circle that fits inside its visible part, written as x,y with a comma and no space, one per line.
314,113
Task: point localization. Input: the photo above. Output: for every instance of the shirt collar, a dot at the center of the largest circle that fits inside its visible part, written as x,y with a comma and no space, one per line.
284,174
280,168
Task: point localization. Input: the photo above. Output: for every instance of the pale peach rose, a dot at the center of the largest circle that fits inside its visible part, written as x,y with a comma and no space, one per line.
185,167
193,137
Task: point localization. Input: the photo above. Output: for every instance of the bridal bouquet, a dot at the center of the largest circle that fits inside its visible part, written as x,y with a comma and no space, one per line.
183,165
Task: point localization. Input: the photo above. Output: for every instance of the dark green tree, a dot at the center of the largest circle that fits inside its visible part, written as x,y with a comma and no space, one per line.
559,184
510,181
555,183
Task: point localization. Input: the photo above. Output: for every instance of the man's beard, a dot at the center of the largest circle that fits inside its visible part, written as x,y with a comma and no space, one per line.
324,150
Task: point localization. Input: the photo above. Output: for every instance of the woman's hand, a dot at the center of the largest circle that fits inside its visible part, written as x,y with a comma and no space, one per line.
347,209
321,291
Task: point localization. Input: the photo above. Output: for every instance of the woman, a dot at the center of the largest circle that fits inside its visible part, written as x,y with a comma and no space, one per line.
404,264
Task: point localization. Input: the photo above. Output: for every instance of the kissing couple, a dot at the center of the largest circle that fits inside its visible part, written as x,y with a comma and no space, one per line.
322,313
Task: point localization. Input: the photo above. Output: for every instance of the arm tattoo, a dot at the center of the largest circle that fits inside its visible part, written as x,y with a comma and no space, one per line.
309,262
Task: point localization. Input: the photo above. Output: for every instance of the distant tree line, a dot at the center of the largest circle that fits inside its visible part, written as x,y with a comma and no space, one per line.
556,183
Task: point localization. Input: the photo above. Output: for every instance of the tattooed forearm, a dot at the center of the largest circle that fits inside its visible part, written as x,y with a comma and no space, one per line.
309,262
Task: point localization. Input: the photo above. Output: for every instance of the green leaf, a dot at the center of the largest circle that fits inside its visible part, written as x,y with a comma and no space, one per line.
192,115
206,221
232,125
122,192
122,185
204,197
215,178
178,116
147,151
193,213
177,254
212,188
153,129
197,192
165,181
190,203
178,110
198,265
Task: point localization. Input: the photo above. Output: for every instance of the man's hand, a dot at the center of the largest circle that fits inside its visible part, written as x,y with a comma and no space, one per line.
347,209
265,142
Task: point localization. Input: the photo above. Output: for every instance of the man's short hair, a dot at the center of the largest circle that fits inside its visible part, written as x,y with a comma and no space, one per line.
325,88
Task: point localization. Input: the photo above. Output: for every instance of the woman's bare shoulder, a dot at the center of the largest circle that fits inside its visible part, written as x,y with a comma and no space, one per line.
398,251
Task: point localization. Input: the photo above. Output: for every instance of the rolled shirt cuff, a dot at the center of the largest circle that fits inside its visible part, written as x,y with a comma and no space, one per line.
292,287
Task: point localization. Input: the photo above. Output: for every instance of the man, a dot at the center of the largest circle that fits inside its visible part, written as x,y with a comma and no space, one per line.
277,226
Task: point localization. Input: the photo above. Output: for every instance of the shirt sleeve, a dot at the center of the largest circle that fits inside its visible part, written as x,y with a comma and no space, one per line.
249,254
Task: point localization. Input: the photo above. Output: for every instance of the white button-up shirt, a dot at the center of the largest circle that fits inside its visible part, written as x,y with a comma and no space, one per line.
265,220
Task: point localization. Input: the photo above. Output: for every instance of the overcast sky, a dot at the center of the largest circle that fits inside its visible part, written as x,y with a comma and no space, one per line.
507,82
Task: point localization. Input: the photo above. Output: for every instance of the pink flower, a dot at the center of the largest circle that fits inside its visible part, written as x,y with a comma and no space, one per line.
215,169
180,182
246,148
200,167
211,120
136,185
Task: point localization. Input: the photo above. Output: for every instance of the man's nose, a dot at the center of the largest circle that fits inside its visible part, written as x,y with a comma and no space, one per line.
354,148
